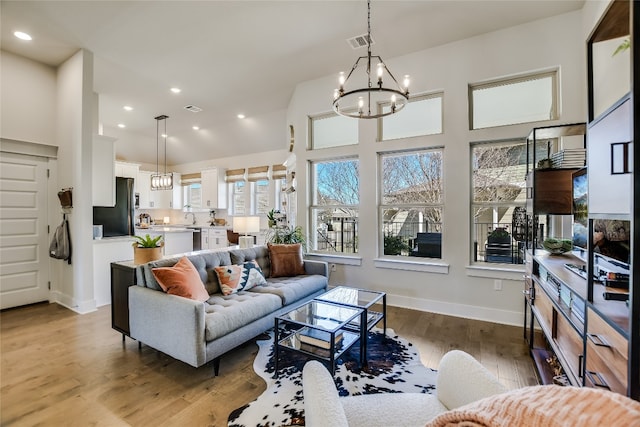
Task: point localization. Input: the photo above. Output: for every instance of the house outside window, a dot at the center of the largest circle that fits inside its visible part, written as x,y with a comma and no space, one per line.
523,99
334,210
238,198
411,203
261,196
498,231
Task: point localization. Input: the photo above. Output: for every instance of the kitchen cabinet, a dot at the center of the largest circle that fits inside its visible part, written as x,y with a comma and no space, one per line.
103,186
106,251
214,189
143,188
214,237
127,170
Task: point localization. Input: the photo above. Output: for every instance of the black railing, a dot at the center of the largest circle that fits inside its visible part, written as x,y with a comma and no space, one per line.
493,242
338,235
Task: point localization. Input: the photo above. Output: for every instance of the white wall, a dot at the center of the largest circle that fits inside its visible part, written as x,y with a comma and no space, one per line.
27,100
464,290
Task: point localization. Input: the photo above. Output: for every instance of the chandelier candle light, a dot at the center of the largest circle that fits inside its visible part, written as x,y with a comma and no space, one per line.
162,181
372,101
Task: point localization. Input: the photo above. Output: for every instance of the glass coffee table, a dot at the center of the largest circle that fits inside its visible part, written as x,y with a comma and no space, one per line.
319,330
364,299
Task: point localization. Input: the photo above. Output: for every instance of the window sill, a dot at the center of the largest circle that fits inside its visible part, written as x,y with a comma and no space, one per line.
399,264
335,259
496,272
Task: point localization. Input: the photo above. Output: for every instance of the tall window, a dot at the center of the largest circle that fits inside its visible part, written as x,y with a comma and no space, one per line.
332,131
411,203
421,116
525,99
335,187
499,194
238,198
261,196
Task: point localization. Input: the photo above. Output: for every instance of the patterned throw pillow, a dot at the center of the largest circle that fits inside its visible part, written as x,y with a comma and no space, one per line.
235,278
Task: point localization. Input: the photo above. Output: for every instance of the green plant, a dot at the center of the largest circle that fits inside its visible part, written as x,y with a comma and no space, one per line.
271,218
286,235
499,233
626,44
148,241
394,245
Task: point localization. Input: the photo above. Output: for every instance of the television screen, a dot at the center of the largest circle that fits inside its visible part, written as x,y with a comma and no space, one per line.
612,241
580,213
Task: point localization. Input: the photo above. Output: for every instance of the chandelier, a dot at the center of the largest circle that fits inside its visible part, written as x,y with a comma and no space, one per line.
161,181
371,101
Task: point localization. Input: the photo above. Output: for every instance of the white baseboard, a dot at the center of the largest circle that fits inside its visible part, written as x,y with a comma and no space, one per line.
66,301
487,314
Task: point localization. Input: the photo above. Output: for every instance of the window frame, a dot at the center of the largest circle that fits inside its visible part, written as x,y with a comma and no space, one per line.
382,207
415,98
505,81
314,206
323,116
493,204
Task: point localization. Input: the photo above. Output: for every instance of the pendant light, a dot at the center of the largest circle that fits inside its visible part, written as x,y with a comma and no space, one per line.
372,101
162,181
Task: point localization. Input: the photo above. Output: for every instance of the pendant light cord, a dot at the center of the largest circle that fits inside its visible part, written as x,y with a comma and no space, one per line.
157,147
165,146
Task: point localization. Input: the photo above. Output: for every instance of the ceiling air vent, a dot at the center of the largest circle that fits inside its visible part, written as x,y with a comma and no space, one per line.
359,41
192,108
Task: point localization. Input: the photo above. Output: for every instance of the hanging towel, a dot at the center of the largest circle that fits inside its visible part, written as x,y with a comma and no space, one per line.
60,246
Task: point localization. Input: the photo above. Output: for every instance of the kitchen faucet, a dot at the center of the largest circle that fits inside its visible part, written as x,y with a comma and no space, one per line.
194,217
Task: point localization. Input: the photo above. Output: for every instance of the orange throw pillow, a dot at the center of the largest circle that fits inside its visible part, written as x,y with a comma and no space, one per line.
182,279
286,260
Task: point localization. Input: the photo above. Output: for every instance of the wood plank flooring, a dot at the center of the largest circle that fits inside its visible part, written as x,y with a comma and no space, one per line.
61,368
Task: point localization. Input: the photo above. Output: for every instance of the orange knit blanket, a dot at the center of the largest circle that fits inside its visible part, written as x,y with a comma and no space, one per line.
545,406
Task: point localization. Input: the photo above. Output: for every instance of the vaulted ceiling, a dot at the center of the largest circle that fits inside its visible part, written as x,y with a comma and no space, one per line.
231,57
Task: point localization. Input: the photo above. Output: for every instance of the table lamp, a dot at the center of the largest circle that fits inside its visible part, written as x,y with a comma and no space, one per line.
246,224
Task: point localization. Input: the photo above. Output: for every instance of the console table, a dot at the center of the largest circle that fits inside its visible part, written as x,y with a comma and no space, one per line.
123,275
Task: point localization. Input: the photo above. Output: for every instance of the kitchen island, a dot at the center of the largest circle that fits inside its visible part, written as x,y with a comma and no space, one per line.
177,239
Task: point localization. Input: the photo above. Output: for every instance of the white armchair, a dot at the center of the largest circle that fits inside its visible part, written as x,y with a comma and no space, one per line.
461,380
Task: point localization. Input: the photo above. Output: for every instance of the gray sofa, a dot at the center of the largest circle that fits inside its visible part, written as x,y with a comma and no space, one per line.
198,332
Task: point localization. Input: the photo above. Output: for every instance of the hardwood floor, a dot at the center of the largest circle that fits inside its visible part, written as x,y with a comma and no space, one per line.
61,368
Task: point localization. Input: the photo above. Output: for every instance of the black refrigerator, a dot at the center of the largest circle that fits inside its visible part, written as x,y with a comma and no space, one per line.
117,220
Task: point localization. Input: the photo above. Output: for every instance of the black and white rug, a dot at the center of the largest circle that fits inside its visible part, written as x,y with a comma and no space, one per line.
394,367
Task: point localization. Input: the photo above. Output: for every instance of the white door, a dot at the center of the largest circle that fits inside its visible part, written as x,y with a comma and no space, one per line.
24,246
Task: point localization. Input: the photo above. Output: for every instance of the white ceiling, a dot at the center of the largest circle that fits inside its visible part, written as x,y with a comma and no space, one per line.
232,56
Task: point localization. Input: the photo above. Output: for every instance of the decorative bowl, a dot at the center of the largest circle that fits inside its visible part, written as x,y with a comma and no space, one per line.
557,246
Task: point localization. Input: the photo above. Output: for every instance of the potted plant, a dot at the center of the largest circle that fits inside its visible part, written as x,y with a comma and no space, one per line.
147,248
499,235
286,235
394,245
271,218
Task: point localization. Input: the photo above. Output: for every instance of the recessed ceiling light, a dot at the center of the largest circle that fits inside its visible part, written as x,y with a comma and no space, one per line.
176,90
128,108
22,36
241,116
164,135
121,125
196,128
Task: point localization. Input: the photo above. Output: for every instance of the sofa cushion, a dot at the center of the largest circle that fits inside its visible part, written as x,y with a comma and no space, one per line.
225,314
150,280
182,279
212,260
292,289
286,260
234,278
260,254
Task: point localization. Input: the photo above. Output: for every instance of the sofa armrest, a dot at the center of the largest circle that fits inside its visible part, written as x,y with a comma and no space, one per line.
169,323
462,380
322,407
316,267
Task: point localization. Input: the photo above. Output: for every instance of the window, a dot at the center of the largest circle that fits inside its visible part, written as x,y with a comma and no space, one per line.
499,194
524,99
238,198
261,196
421,116
411,203
335,187
333,131
192,195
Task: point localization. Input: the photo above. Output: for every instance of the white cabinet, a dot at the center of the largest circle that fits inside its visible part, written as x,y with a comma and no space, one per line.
214,189
103,186
127,170
214,238
158,199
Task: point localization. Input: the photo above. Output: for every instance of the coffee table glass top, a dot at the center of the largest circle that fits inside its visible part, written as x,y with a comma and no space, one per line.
352,296
326,316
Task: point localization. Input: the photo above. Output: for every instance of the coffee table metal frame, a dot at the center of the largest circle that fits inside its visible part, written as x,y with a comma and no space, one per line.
307,316
343,295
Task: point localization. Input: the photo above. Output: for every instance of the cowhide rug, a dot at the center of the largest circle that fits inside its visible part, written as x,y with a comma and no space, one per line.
394,367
